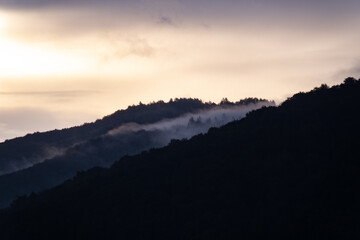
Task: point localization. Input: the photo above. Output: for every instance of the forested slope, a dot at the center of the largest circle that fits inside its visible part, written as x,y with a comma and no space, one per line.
288,172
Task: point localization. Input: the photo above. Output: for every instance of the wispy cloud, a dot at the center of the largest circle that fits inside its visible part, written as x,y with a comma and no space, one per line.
51,95
116,46
352,71
73,93
179,127
17,122
166,20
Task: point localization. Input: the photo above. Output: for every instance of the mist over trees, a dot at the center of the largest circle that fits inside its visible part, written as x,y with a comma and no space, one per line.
125,132
287,172
33,148
23,152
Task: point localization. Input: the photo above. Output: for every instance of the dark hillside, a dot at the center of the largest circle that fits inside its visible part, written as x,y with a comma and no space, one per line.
125,139
288,172
33,148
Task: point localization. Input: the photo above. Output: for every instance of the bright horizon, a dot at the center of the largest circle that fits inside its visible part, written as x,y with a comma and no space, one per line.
63,63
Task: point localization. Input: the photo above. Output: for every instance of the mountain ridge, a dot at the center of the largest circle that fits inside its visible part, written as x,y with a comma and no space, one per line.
117,139
287,172
37,146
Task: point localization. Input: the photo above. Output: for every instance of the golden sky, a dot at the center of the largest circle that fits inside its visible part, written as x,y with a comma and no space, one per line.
66,62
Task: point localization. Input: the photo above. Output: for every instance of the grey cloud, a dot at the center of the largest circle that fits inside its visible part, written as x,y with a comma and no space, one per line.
165,20
93,15
47,152
30,4
17,122
353,71
179,127
139,46
122,47
51,95
199,7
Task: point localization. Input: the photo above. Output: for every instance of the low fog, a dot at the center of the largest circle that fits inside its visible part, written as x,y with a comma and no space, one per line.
162,133
44,171
191,124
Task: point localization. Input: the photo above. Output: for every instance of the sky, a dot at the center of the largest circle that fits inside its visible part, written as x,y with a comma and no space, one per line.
66,62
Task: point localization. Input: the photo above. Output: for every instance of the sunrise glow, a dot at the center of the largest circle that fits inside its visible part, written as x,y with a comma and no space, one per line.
19,60
117,53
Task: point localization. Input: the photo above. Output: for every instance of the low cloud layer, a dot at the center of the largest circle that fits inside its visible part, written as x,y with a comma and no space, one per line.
17,122
191,124
128,136
21,121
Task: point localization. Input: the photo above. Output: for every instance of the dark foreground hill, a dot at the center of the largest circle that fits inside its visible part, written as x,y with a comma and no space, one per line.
288,172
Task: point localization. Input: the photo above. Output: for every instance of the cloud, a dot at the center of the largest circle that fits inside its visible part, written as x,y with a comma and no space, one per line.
353,71
190,124
253,48
166,21
69,18
20,121
27,112
74,93
16,122
116,46
60,96
31,4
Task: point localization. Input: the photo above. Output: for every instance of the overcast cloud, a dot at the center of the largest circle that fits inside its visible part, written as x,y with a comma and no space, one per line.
147,50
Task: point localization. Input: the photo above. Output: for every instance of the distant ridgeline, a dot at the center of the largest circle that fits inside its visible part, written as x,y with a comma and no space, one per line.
26,151
43,160
287,172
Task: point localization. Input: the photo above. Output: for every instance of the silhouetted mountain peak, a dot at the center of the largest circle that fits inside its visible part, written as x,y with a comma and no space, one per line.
43,160
287,172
